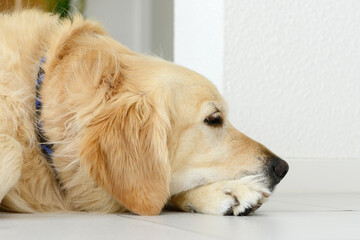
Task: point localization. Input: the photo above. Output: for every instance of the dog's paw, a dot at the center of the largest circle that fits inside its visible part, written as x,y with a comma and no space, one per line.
245,199
236,197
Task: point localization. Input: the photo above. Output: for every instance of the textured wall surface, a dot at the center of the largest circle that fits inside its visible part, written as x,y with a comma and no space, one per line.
292,76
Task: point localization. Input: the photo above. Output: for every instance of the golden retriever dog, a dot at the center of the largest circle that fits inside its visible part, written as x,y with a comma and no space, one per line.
88,125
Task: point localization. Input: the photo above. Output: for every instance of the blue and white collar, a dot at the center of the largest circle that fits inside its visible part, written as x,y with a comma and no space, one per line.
46,148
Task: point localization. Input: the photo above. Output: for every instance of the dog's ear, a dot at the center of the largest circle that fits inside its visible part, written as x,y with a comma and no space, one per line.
72,35
124,150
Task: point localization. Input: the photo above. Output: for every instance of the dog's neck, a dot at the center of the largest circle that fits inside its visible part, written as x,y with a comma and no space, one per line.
46,147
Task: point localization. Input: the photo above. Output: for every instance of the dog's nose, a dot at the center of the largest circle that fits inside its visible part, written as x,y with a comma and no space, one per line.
278,168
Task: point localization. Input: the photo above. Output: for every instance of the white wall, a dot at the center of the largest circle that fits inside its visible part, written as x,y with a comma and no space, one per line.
291,77
292,80
198,37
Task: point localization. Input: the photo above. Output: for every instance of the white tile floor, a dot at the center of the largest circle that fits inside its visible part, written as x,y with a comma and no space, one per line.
284,216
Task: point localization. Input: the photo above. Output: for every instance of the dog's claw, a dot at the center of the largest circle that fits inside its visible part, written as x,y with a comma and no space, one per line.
246,212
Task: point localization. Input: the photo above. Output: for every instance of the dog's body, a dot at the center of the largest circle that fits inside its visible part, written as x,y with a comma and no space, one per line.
129,131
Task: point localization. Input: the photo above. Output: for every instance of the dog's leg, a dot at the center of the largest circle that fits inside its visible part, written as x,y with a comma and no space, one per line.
236,197
10,163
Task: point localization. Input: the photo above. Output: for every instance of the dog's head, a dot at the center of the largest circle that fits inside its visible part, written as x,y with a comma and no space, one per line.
168,134
204,147
154,129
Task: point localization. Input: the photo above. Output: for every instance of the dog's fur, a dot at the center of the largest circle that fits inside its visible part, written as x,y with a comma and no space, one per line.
130,132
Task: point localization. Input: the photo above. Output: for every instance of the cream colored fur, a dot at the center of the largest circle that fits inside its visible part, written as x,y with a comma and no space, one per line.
128,129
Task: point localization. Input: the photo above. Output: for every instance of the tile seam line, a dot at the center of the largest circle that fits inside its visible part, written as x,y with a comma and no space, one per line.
170,226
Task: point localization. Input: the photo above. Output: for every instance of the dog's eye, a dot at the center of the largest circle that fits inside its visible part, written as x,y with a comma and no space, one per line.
214,120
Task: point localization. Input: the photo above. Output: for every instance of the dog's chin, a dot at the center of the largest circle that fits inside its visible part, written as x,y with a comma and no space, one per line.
271,186
271,183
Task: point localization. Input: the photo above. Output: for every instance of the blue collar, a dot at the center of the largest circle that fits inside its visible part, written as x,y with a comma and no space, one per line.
46,147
